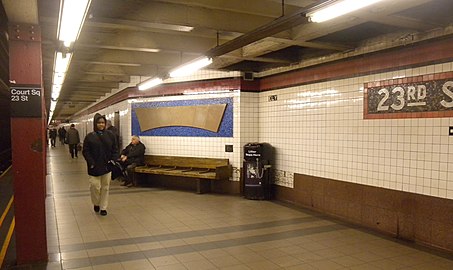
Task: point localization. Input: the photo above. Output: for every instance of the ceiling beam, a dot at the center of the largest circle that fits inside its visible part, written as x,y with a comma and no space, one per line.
383,9
400,21
97,78
147,42
269,8
256,59
274,27
21,11
127,64
161,15
90,85
314,45
87,93
89,89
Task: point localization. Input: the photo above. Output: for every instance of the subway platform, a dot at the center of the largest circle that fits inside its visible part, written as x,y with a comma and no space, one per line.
151,228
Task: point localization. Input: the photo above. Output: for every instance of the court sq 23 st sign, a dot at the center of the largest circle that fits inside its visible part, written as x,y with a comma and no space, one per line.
26,101
409,98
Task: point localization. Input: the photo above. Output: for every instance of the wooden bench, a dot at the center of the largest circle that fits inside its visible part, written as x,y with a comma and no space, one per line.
203,170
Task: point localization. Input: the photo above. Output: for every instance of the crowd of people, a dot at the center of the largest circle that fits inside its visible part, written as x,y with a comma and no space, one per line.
100,149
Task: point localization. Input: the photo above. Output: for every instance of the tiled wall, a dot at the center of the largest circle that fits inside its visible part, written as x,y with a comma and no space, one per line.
181,146
318,130
328,157
249,119
195,146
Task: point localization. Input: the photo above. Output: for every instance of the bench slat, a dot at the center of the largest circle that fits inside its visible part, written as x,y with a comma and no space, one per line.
190,162
175,172
202,169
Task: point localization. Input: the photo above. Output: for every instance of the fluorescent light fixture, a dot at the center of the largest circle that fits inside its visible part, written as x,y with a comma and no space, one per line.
149,83
55,95
56,91
71,18
70,21
53,104
56,87
336,9
58,78
50,117
62,62
190,67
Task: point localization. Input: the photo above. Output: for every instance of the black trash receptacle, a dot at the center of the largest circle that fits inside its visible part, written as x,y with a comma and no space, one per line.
256,171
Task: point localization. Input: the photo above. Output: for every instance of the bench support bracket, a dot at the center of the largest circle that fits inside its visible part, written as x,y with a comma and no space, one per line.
203,185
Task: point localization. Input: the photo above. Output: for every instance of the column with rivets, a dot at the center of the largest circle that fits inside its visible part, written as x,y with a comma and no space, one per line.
28,125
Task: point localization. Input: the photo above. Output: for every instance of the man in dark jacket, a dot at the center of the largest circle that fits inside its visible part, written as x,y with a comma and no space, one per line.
73,139
62,134
52,136
99,151
132,156
115,131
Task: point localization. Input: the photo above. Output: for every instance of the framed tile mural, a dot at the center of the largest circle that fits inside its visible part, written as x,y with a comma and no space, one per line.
187,118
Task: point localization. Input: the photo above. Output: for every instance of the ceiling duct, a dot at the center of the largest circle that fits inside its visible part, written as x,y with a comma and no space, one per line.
272,28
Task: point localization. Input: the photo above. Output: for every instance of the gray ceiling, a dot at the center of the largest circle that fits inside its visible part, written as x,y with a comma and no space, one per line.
124,38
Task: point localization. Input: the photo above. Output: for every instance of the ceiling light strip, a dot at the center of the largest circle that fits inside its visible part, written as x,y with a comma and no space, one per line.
190,67
149,84
72,15
328,11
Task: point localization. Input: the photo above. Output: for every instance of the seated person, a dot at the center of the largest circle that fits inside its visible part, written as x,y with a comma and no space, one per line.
132,156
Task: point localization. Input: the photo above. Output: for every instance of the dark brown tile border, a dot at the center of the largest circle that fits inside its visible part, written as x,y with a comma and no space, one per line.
413,217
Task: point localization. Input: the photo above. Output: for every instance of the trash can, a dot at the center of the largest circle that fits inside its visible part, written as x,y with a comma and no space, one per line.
256,171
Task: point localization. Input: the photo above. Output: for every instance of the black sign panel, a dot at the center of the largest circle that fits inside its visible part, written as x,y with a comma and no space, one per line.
26,101
432,96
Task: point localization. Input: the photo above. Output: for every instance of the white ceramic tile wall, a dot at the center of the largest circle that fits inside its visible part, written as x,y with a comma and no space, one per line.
319,130
249,124
196,146
180,146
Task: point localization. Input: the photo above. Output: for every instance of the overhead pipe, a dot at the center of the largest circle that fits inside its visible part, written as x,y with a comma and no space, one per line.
272,28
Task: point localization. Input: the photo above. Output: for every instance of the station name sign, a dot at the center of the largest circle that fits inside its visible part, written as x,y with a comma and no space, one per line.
26,101
409,97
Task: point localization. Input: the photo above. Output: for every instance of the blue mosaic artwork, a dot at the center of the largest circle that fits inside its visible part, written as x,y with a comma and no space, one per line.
225,129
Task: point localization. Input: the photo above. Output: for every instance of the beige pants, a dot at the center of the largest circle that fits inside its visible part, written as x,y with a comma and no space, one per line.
99,188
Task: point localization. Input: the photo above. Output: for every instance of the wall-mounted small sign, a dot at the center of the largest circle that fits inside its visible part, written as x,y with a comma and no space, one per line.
272,98
26,101
228,148
402,98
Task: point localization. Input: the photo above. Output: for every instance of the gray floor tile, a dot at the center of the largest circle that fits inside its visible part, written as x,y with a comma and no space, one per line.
149,228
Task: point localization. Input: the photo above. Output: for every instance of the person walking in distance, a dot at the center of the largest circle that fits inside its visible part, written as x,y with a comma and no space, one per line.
62,135
100,151
115,131
73,139
52,136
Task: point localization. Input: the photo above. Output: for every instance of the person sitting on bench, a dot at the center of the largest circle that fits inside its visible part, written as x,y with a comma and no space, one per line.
132,156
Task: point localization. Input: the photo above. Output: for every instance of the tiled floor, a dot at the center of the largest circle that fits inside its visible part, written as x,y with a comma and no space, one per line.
150,228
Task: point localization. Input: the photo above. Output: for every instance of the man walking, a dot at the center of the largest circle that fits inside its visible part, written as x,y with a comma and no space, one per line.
73,139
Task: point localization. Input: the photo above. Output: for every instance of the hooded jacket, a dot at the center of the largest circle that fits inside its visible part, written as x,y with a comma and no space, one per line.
99,147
